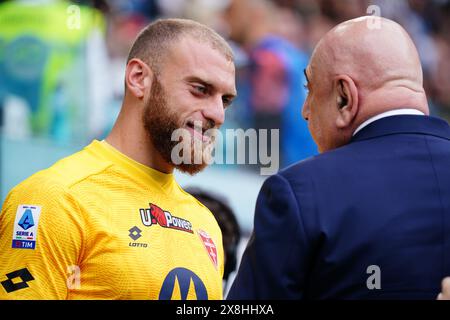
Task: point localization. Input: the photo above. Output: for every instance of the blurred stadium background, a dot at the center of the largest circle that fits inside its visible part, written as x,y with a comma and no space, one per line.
62,65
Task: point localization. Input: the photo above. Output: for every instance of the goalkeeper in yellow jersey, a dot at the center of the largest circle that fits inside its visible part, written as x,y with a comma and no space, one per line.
110,222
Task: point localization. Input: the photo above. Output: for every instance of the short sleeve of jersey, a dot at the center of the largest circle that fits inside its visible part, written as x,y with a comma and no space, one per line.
41,241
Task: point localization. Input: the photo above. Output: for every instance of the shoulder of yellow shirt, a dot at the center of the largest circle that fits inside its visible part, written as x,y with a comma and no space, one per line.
66,173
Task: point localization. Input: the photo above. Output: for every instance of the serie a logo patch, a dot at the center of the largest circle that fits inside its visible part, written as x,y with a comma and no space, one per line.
25,226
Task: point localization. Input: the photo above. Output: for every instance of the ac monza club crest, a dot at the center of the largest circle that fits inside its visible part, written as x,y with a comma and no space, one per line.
209,246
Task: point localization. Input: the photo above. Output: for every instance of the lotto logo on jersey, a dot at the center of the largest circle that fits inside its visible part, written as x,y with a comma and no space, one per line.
156,215
25,226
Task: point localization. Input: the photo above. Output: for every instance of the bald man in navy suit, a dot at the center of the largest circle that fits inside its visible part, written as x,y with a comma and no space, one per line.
368,218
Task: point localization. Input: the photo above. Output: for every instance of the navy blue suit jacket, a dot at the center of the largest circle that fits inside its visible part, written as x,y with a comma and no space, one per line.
323,226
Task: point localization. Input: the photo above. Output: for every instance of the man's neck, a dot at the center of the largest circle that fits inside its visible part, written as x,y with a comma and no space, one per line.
131,139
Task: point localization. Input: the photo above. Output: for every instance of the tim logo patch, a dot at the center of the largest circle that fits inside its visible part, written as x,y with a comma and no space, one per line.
25,226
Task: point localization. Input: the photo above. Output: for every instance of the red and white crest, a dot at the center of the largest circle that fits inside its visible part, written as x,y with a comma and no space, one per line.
209,246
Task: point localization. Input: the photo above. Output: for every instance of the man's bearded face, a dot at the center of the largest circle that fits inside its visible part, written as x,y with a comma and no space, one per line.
161,120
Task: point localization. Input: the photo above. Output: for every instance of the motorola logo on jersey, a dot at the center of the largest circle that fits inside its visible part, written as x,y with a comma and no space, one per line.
183,284
156,215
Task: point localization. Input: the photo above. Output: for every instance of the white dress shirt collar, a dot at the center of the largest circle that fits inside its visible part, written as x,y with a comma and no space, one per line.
389,114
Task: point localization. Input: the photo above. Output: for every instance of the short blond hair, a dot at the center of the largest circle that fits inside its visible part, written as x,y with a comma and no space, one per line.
154,41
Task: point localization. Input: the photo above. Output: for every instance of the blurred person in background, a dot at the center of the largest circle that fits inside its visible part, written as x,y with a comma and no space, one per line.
339,11
275,75
440,78
111,222
231,234
125,20
417,19
320,16
48,50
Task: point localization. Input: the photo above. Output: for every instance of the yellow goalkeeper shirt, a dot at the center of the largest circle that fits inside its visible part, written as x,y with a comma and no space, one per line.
99,225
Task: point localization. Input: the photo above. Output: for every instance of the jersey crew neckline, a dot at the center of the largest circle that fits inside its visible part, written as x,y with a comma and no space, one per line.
136,169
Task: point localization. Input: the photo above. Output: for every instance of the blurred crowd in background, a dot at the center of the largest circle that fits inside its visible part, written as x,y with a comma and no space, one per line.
62,63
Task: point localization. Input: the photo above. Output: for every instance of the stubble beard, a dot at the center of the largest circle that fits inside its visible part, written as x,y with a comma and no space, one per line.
160,124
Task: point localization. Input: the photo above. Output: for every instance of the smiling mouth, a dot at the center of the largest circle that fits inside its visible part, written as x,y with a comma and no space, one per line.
198,132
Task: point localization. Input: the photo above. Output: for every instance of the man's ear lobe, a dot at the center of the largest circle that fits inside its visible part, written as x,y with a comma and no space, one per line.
138,78
347,101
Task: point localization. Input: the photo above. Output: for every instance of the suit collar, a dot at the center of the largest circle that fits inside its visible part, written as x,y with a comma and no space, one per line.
404,124
389,113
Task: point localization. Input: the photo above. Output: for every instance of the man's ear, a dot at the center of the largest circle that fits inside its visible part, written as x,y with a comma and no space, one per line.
346,100
138,78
